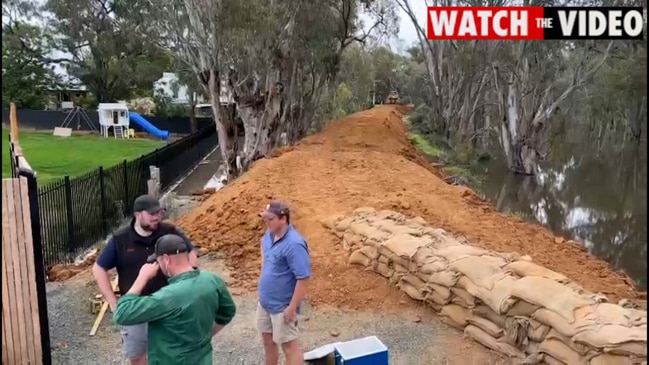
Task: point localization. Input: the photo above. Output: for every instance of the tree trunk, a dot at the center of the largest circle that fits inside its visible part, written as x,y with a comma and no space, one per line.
212,83
257,137
260,110
516,139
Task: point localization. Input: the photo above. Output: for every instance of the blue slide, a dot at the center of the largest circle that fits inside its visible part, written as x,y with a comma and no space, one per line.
147,126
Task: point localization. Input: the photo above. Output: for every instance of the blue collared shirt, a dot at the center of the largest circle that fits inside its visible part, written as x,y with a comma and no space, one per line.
285,262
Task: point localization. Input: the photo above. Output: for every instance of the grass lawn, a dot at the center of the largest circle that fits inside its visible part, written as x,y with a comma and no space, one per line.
55,157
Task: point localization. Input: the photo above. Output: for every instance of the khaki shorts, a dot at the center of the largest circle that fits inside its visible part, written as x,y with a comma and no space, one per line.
274,323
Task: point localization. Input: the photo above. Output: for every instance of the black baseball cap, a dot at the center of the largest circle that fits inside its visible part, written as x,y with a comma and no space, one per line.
147,203
277,209
169,244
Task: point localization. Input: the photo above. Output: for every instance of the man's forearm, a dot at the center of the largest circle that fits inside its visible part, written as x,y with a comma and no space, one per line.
138,285
103,282
299,293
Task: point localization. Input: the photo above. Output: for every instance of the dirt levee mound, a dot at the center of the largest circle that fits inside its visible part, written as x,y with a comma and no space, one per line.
366,159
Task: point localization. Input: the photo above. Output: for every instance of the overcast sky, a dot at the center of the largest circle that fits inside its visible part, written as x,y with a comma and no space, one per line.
407,33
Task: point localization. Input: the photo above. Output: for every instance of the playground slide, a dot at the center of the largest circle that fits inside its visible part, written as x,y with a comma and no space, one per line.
147,126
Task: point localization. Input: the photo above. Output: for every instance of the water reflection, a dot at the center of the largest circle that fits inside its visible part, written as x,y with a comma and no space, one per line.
600,200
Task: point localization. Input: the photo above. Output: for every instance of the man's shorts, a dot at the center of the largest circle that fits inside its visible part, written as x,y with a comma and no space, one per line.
134,340
274,323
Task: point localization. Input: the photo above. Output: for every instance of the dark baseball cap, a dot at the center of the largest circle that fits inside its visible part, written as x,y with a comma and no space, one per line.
147,203
169,244
277,209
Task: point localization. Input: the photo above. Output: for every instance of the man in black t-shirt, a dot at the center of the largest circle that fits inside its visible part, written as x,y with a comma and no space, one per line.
127,251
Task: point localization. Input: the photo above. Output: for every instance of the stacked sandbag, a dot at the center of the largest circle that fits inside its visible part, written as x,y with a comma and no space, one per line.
504,301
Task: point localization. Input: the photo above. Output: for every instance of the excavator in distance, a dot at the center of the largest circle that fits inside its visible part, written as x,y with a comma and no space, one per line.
393,98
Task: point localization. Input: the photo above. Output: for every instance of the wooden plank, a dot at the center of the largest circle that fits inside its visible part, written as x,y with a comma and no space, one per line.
13,121
6,322
24,276
62,132
14,263
8,297
4,343
31,271
4,336
102,311
7,328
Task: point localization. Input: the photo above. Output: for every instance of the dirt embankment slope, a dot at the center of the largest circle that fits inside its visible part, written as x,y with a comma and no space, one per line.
366,159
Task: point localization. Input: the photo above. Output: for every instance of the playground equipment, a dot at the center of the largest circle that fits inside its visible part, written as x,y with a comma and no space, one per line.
117,116
77,113
147,126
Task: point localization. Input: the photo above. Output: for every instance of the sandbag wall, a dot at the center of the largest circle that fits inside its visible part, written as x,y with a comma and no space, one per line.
504,301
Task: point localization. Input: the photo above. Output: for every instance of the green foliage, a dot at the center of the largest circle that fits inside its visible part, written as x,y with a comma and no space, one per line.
457,170
421,119
344,101
26,77
458,175
87,101
357,73
109,55
426,146
164,107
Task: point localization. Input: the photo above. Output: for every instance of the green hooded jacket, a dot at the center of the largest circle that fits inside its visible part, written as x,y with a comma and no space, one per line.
180,317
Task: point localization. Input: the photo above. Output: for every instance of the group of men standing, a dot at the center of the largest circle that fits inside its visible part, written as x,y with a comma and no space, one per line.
169,309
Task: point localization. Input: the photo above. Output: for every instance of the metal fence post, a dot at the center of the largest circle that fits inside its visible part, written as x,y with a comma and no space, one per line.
70,216
102,198
39,267
126,203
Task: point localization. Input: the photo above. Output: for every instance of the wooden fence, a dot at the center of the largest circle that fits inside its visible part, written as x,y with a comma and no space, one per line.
25,328
21,328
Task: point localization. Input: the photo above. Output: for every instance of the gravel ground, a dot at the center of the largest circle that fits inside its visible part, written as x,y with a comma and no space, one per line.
70,320
413,336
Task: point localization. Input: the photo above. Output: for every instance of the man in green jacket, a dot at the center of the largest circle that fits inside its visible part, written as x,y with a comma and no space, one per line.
184,315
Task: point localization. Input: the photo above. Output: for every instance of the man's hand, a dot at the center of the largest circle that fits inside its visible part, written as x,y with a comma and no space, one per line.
112,304
149,271
290,314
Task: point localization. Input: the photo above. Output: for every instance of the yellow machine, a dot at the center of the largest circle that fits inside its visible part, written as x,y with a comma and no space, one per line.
393,98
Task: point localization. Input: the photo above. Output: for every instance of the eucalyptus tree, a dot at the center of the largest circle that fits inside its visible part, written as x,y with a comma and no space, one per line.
518,84
26,74
274,59
102,48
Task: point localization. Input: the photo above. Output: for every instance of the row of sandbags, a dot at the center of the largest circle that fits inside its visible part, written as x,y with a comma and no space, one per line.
503,301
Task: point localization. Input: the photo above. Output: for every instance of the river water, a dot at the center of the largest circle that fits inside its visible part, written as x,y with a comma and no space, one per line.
598,199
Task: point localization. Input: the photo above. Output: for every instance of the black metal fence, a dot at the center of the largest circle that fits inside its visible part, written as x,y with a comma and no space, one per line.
76,213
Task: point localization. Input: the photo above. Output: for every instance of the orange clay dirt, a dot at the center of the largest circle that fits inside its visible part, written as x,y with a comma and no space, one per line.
366,159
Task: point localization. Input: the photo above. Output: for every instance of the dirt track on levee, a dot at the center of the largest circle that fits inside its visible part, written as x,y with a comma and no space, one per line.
366,159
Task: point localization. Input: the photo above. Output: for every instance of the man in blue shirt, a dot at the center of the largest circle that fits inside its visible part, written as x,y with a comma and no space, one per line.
285,273
127,251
